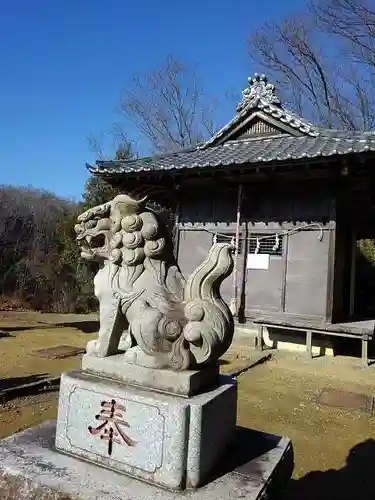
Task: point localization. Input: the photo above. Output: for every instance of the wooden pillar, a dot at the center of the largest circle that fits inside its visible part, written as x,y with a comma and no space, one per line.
234,302
309,343
260,337
365,351
176,241
353,274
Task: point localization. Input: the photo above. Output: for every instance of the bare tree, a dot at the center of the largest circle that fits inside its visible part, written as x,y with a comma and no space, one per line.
353,22
322,65
95,144
122,148
168,106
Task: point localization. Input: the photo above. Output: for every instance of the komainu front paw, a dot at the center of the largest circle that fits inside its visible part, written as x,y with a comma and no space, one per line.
92,348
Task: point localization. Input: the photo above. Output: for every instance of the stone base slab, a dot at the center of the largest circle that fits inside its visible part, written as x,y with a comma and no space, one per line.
161,438
30,469
185,383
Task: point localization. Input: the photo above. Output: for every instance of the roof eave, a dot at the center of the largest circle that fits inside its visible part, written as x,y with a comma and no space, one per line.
255,166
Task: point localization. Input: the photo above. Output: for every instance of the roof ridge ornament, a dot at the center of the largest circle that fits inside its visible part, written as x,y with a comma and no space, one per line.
258,88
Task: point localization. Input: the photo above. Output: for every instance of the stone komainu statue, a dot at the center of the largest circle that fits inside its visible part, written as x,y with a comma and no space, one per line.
147,310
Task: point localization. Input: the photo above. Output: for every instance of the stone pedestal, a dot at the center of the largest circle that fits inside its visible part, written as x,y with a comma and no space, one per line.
169,440
185,383
257,467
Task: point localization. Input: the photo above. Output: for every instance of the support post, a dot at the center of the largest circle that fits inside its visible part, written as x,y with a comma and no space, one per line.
365,352
260,337
309,343
176,242
353,274
234,302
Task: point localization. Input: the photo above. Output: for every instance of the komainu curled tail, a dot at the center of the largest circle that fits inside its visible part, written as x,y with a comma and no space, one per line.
209,329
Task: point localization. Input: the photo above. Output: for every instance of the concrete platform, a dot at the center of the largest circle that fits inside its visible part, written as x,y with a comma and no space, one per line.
30,468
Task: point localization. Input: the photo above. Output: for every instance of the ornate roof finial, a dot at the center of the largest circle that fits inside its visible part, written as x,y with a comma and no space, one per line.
258,89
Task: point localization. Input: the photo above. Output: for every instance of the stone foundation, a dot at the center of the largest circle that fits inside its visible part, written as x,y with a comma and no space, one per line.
257,466
172,441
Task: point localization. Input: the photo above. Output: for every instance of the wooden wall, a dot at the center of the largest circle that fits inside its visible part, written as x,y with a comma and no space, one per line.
300,281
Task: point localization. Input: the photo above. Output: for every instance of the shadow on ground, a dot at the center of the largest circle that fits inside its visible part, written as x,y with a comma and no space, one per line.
8,383
355,480
224,362
84,326
7,329
248,455
5,334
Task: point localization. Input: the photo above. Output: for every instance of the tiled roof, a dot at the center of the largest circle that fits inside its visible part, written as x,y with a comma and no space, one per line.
265,150
296,139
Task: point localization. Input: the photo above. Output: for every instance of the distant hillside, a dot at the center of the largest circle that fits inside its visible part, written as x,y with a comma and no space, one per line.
39,259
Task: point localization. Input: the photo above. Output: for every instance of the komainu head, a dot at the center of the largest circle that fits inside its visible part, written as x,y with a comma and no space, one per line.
122,231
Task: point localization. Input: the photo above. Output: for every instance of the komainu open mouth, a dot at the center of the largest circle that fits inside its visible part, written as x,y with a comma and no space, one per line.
94,241
91,242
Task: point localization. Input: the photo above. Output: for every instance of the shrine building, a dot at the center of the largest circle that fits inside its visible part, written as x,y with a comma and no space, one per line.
293,198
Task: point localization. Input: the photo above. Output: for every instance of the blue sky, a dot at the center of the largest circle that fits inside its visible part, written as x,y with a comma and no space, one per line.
64,63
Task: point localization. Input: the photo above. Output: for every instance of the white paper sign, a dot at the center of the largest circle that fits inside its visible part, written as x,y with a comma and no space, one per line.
258,261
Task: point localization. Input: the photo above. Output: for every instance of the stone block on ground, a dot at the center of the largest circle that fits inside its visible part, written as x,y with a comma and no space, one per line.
30,468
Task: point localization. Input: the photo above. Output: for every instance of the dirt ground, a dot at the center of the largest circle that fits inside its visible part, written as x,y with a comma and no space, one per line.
334,448
21,364
29,332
